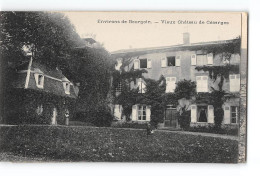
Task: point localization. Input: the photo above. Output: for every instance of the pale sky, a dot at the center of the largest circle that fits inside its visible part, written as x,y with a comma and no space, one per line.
116,36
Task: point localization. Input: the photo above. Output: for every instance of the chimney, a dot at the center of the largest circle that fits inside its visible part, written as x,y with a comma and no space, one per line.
186,38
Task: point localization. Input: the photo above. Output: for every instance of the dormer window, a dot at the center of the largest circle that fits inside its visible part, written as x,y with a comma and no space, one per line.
39,79
66,86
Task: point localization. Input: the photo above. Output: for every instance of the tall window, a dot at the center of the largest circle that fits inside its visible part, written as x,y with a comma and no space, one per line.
202,60
202,114
143,63
234,83
141,86
234,114
171,61
119,88
170,84
141,112
202,83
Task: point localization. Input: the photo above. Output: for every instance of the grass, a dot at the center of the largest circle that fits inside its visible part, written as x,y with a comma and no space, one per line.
62,143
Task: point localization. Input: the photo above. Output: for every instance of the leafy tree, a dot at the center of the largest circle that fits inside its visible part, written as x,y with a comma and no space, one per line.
55,44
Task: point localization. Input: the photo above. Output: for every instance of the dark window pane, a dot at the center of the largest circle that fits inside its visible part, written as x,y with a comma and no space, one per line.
171,61
143,63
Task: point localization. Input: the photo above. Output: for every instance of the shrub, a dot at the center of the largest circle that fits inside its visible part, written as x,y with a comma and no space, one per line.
184,119
129,125
100,116
213,129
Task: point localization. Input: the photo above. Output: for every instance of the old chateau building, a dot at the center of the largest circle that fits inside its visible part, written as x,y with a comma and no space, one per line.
39,95
177,63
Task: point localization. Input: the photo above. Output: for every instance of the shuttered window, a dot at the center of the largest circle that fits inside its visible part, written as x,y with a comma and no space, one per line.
202,83
170,84
202,60
234,83
141,86
149,63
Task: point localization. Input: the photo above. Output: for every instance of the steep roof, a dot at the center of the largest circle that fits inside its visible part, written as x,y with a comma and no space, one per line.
53,80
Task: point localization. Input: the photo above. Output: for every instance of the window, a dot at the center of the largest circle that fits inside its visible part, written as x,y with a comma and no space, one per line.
234,114
39,79
170,84
202,114
171,61
141,86
66,86
141,112
143,63
234,83
202,83
202,60
119,88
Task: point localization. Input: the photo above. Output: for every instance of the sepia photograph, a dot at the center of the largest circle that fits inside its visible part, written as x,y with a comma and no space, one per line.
144,87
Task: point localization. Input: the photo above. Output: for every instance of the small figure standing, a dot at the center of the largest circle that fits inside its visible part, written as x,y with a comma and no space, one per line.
67,114
149,129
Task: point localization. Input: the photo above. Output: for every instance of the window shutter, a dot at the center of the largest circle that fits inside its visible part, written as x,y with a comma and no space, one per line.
205,83
163,62
173,84
178,61
234,81
143,87
210,58
134,113
148,113
136,64
193,59
198,82
149,63
193,113
227,115
210,114
238,82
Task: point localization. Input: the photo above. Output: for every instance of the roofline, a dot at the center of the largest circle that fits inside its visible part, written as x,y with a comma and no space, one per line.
124,51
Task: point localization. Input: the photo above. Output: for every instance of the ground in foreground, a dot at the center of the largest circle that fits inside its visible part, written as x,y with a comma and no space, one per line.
60,143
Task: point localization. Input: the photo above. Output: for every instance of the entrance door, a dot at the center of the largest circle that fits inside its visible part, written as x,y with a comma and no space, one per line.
171,118
54,116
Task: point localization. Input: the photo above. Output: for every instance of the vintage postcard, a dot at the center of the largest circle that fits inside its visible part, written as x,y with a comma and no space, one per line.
123,87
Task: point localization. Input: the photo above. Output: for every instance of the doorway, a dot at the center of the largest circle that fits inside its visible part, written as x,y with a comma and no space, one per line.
171,118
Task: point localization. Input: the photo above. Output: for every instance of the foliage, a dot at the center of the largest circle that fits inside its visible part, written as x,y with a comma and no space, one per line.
113,144
221,72
217,97
25,103
129,125
54,42
213,129
184,118
51,34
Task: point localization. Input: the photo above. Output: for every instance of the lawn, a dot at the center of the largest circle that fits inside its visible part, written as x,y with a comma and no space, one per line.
62,143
